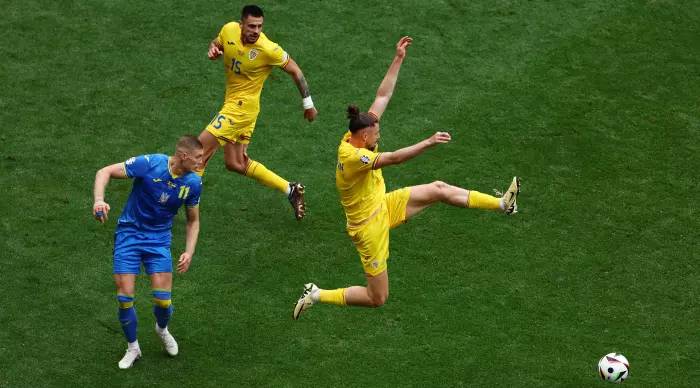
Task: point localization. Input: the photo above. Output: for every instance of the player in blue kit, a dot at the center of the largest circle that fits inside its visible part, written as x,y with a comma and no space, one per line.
161,185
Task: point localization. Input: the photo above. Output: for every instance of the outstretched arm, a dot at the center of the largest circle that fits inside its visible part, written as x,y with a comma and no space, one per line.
101,180
404,154
387,86
298,76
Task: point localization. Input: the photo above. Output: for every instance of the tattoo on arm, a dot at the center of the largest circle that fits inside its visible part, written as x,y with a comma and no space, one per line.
302,86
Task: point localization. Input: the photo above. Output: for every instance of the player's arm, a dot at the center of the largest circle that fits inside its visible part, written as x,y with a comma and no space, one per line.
101,180
216,47
191,236
215,50
397,157
386,89
297,75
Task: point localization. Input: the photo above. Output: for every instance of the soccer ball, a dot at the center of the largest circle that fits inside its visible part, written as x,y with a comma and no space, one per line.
614,368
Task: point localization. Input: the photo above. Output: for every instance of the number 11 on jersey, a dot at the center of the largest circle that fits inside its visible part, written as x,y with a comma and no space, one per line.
184,192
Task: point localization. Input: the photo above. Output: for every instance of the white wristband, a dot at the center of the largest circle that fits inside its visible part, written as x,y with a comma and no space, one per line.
308,104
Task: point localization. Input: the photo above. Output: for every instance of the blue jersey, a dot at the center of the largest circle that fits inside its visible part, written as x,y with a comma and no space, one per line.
157,193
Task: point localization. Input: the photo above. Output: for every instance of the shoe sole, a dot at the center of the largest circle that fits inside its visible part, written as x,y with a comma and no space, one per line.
511,207
299,305
299,212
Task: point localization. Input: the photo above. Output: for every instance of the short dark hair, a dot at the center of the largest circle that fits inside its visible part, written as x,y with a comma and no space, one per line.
188,143
359,120
251,10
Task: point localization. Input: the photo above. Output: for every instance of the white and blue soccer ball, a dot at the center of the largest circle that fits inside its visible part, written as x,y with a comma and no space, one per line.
614,368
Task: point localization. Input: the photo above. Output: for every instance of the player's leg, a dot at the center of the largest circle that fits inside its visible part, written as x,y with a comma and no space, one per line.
372,243
127,264
210,145
236,157
374,295
127,313
424,196
159,267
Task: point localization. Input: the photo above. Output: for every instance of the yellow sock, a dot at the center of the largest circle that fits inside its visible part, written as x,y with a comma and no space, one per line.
336,297
268,178
479,200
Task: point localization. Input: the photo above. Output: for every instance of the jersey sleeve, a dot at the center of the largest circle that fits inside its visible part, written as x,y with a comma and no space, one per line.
193,199
221,38
137,166
361,160
277,56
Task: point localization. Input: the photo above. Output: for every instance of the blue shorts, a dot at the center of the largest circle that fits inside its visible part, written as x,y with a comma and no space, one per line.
133,247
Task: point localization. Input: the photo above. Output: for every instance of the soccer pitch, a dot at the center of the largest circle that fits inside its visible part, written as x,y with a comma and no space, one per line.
594,104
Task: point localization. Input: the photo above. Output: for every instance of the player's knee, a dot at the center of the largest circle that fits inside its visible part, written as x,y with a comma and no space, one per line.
124,288
440,189
379,299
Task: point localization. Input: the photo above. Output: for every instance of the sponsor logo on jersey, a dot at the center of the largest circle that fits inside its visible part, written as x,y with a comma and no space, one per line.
231,43
364,159
157,180
130,160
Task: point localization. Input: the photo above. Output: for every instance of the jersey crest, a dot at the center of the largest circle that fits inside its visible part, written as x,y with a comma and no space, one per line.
164,197
253,54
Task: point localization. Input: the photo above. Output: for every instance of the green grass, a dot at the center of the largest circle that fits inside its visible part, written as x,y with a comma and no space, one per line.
595,104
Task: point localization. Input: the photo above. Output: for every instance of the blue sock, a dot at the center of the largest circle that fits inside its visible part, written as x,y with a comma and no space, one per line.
163,307
127,316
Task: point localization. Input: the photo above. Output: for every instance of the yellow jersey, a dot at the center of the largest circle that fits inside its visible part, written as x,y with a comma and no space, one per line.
247,68
361,188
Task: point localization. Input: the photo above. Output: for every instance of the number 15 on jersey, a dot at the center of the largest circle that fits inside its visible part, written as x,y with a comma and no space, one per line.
235,66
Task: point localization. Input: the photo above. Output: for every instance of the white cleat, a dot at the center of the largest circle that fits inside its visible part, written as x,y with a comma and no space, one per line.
132,354
510,197
169,343
305,300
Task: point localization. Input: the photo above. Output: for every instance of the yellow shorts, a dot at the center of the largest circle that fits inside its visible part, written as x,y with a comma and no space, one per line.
372,238
232,128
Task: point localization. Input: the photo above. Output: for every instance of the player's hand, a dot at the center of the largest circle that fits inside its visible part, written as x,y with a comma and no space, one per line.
214,52
401,46
439,138
310,114
100,206
184,262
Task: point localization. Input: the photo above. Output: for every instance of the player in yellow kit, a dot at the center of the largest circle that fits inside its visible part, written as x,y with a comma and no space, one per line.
370,212
249,57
